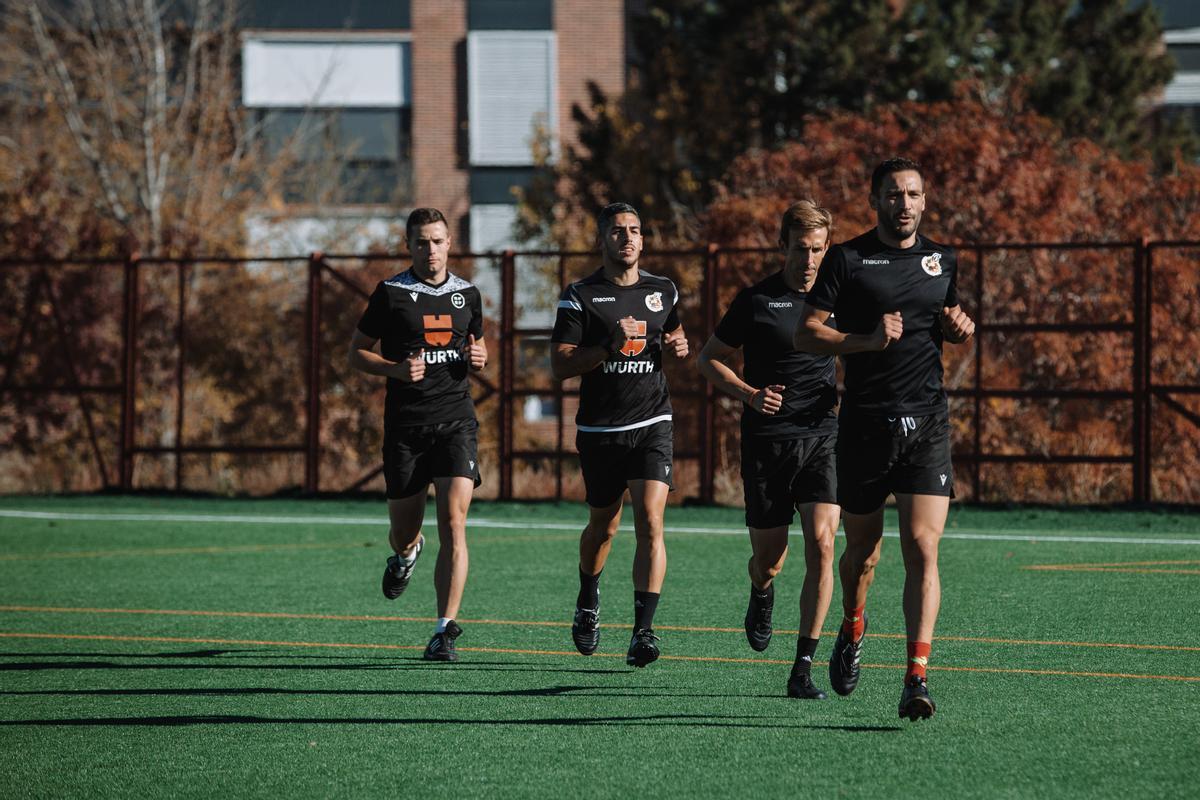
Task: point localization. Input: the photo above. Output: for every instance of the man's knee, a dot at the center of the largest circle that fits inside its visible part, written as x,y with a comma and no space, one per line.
862,555
769,564
603,524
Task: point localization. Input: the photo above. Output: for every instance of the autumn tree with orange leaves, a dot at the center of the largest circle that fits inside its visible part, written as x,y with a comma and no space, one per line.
998,175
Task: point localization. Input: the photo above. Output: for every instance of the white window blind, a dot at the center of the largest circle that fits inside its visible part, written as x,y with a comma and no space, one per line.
511,88
340,74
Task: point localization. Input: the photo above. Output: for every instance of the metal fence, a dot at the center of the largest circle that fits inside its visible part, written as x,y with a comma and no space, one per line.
145,373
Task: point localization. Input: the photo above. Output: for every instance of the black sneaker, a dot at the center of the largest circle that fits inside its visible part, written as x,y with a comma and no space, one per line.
398,572
441,646
642,648
915,702
585,630
758,617
801,687
843,664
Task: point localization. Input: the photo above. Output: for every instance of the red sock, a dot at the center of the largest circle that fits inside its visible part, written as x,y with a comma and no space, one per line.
918,657
854,624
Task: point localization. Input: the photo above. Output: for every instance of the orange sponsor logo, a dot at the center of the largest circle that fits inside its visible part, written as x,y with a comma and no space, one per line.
635,346
439,329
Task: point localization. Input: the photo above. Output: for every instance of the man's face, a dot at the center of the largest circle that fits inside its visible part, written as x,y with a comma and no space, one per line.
621,241
430,248
900,203
804,252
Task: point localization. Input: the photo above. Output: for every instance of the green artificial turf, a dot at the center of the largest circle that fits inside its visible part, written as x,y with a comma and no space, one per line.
302,681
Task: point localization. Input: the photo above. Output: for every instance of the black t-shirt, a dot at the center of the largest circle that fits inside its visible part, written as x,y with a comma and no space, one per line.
863,279
407,315
761,320
629,389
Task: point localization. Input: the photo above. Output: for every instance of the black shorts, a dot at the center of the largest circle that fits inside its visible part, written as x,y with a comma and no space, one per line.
878,456
413,455
611,459
779,474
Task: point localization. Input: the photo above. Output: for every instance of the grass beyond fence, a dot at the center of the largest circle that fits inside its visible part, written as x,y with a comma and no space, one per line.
206,648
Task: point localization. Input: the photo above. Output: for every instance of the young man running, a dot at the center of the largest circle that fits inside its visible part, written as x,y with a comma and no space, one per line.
429,324
612,328
895,298
789,431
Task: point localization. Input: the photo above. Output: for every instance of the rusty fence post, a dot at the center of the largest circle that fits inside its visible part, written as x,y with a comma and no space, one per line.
129,371
312,416
708,433
507,360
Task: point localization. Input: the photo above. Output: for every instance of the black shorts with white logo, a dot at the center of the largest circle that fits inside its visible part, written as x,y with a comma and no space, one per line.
780,474
413,455
610,459
878,456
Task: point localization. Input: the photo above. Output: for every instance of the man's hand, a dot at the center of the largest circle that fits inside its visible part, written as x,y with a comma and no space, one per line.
676,343
476,353
767,401
956,325
627,328
411,369
891,328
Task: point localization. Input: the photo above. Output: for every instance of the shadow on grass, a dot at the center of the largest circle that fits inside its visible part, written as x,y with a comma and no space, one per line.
649,720
399,663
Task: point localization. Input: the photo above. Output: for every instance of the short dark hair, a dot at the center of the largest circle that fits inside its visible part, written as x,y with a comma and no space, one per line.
611,210
892,165
804,216
423,216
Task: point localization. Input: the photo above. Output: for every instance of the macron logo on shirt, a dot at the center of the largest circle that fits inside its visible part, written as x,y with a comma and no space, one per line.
604,299
875,261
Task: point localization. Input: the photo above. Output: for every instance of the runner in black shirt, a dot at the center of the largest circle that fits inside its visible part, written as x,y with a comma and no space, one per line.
789,431
612,328
893,293
429,325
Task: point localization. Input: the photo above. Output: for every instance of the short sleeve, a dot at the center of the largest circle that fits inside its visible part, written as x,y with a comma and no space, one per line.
568,321
830,279
475,326
672,321
373,322
734,326
952,289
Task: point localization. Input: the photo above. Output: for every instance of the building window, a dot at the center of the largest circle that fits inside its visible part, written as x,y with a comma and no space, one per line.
370,150
343,104
511,92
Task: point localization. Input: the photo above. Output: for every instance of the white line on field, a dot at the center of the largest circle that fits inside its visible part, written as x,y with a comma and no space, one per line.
482,522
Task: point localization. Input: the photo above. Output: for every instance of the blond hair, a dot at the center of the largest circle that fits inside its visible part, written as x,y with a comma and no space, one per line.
802,217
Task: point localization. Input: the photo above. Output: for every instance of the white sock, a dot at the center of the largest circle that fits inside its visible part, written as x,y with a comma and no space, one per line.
411,557
441,624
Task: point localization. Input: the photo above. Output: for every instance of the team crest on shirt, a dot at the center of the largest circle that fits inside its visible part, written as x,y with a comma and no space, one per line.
457,300
654,301
932,264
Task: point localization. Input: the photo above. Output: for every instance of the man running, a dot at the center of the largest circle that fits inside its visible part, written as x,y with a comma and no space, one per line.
894,295
612,328
430,326
789,431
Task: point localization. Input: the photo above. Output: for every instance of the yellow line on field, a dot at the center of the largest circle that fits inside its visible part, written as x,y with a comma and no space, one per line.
1131,570
513,651
543,624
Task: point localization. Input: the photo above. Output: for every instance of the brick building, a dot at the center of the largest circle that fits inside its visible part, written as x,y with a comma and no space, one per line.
425,102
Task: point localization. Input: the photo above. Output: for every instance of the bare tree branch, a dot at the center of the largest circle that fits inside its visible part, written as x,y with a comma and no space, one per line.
70,108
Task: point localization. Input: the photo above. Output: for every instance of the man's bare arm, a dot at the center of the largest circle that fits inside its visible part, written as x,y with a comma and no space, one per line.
571,360
814,336
711,363
362,357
